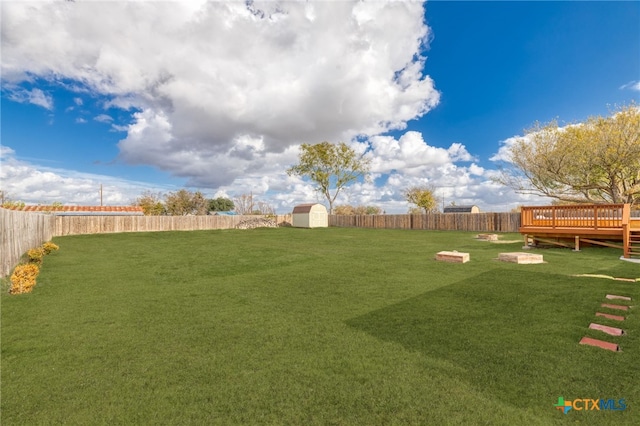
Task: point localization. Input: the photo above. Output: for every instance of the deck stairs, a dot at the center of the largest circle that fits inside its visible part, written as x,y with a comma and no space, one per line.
634,243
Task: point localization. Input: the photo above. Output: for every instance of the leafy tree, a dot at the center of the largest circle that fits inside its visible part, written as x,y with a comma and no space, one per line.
597,161
372,210
331,167
423,197
184,202
7,202
344,210
357,210
221,205
151,203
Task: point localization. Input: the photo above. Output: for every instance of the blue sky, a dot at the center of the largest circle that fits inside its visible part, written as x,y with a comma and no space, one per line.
218,96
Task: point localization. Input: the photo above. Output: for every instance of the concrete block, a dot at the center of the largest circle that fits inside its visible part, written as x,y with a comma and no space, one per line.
520,258
452,256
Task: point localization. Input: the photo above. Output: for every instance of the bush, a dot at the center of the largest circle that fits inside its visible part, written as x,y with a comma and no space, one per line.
48,247
24,275
24,278
35,255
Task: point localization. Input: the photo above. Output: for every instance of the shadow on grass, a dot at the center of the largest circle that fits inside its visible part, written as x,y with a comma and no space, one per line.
513,337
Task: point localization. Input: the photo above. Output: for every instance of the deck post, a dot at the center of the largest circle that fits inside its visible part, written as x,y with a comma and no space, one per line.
577,244
626,232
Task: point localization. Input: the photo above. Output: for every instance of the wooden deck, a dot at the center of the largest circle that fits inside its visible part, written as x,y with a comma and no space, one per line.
609,225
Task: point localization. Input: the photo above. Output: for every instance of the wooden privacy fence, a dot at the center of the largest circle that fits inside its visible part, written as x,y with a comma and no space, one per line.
19,232
482,222
75,225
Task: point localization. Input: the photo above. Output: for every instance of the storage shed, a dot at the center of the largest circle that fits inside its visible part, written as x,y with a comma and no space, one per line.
462,209
310,216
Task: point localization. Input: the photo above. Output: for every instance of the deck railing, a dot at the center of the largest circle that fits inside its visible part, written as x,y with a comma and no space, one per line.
592,216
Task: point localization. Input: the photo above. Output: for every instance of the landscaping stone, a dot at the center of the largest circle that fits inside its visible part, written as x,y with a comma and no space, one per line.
487,237
452,256
609,316
520,258
618,307
612,331
600,344
613,296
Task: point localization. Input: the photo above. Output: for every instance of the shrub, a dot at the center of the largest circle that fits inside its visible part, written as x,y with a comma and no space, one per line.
48,247
35,255
24,278
13,205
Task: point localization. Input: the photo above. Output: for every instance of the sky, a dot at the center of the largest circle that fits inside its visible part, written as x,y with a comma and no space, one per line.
139,96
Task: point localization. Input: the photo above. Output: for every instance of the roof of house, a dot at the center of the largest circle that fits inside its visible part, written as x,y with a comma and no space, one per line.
83,210
459,209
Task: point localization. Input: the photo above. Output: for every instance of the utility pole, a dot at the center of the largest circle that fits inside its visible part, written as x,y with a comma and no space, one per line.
100,195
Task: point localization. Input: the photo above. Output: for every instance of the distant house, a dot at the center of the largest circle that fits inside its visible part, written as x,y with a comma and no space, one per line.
310,216
224,213
84,210
462,209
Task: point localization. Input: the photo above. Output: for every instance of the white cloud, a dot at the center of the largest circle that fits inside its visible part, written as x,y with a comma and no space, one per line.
412,155
205,76
34,184
34,96
632,85
464,184
6,152
103,118
222,94
504,152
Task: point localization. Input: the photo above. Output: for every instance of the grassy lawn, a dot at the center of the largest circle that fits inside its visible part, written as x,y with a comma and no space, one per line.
324,326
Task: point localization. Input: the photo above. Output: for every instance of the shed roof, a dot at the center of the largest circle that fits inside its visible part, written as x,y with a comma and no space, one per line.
304,208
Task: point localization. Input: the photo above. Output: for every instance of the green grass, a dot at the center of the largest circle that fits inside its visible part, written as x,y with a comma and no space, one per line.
324,326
